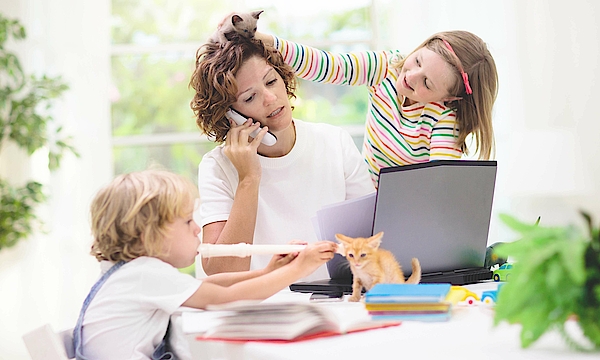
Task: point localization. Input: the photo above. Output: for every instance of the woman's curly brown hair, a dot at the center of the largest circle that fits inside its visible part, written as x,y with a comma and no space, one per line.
215,84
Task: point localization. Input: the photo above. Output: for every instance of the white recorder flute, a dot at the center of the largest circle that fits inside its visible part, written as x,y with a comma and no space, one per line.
245,250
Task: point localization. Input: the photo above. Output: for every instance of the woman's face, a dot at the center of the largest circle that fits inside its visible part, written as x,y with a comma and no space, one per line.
262,95
425,77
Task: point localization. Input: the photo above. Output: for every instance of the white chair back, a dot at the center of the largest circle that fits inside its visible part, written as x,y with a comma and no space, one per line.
45,344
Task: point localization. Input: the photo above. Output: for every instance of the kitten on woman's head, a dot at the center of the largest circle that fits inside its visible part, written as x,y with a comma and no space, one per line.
242,23
372,265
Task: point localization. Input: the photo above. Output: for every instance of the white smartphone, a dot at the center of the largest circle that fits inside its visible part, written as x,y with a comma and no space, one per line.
327,297
269,139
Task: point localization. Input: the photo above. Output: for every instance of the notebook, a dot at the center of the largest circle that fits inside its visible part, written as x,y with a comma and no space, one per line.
445,226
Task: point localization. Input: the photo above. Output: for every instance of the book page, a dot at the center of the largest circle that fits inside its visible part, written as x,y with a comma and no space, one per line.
352,317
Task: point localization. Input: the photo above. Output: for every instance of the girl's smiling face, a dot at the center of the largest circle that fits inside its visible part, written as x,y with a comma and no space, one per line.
262,95
425,77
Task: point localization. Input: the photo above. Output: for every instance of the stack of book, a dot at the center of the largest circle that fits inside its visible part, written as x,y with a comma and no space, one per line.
421,302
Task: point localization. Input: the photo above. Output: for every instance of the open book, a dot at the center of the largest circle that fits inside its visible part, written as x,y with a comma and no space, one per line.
250,321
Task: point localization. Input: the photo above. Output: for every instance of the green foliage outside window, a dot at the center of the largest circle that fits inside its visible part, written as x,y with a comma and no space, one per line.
151,22
150,92
151,95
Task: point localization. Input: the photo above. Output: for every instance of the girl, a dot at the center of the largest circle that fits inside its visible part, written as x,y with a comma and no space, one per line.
256,193
421,107
143,231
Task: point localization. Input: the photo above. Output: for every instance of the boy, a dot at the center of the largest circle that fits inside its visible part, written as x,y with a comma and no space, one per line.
143,231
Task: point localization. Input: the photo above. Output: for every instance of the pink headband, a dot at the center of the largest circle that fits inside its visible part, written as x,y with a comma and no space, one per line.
465,77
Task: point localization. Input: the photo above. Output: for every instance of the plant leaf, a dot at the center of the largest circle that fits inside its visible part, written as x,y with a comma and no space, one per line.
515,224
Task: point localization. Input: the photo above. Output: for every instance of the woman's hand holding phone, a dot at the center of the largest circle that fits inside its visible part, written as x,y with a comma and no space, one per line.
268,139
242,152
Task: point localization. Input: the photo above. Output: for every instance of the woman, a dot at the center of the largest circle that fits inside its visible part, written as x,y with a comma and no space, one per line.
260,194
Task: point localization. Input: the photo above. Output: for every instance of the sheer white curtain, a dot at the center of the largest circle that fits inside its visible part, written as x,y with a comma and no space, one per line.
44,279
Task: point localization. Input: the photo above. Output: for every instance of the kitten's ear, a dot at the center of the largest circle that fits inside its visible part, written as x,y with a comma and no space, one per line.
341,249
375,240
236,19
256,14
342,238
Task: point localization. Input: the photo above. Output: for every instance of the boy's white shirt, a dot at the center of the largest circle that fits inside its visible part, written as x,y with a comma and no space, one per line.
133,307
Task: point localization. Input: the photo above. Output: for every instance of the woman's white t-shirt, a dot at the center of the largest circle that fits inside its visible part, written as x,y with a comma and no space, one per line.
323,167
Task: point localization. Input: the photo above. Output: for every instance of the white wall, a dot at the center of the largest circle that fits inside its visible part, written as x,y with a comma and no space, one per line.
45,279
546,52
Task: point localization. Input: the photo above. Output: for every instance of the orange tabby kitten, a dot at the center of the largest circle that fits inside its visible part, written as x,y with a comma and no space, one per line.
371,265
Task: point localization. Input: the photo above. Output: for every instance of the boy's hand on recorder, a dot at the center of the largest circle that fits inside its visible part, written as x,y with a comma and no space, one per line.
313,256
278,261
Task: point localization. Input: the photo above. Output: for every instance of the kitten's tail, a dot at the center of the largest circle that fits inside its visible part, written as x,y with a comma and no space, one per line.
415,277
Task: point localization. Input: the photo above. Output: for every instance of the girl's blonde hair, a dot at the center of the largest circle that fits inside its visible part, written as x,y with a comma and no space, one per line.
473,111
214,80
131,215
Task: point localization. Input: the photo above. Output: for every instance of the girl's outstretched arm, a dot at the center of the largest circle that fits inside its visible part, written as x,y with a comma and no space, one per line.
353,68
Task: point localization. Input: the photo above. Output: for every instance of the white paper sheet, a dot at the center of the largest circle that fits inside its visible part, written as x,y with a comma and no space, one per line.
352,218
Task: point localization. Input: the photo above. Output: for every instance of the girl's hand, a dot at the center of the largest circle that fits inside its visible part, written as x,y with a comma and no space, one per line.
314,255
241,151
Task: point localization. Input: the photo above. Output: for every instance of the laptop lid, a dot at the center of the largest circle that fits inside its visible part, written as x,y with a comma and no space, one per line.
438,212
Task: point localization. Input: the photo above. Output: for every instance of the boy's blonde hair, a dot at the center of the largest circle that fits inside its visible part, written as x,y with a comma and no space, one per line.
473,111
131,215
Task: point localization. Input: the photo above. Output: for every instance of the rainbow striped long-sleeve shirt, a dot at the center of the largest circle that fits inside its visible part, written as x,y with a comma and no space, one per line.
395,134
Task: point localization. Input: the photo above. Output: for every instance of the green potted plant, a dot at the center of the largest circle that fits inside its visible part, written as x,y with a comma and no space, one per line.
24,118
555,278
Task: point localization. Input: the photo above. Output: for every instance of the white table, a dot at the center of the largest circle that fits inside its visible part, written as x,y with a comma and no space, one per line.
469,334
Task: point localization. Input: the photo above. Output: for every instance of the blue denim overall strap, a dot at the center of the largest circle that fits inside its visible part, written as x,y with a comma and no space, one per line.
163,350
160,353
77,343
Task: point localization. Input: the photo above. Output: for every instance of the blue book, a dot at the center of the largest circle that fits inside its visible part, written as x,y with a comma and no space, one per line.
413,293
445,316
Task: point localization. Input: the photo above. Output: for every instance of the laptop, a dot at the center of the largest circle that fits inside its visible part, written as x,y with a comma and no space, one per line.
438,212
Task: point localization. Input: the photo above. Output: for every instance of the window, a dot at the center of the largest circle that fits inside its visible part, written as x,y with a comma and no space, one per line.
153,51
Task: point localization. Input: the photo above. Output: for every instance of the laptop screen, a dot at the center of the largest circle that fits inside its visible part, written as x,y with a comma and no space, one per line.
438,212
